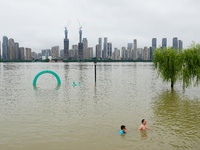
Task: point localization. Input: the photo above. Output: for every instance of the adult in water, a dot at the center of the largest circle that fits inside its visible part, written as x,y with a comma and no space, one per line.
143,126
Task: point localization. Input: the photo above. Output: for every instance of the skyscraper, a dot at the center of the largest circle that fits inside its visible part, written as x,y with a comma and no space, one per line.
129,50
5,48
154,46
66,45
164,42
16,51
105,48
99,49
28,54
11,49
180,45
134,53
154,43
175,43
109,50
123,53
85,46
21,53
80,45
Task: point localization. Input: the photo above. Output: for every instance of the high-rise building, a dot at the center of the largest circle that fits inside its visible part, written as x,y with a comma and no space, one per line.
80,45
46,54
71,54
55,52
180,45
123,53
150,53
154,43
153,47
109,50
89,53
16,51
33,55
175,43
100,48
85,47
164,43
130,50
66,45
27,54
62,54
116,54
145,54
5,48
11,44
134,53
105,48
21,53
75,49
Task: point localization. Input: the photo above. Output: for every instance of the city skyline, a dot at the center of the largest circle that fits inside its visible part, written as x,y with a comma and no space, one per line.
40,24
11,50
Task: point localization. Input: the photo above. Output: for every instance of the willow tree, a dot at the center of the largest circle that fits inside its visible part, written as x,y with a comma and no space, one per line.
191,66
168,63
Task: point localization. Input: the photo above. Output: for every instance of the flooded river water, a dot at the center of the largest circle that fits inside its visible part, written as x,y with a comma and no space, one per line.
89,116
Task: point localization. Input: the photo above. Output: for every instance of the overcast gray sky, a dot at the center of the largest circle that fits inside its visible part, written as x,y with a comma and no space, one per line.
39,24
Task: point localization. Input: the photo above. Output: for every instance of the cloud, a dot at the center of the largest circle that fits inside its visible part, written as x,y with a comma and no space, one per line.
39,24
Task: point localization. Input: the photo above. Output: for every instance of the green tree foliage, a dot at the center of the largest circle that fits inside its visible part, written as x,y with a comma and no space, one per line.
191,65
168,62
173,65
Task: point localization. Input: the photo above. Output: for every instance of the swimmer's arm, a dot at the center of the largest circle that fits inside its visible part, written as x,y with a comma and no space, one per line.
149,128
140,128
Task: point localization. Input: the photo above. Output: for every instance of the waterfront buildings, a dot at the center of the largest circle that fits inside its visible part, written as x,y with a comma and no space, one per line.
11,51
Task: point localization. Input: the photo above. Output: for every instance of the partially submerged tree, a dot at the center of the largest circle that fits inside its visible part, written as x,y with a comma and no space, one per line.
173,65
191,66
168,62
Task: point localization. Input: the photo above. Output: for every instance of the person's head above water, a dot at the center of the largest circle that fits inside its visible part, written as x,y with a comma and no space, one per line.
143,121
123,127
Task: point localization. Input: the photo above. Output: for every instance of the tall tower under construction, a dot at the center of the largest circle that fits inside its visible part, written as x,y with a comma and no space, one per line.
66,45
80,45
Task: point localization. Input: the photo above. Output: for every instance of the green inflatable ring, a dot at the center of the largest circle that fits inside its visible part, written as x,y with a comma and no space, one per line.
46,71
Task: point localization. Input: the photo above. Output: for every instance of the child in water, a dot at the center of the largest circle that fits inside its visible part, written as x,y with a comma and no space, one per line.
123,129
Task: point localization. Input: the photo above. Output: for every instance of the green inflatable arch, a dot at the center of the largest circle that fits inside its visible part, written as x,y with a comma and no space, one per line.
46,71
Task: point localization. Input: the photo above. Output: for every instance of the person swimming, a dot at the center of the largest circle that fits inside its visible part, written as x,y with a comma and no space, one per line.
143,126
123,129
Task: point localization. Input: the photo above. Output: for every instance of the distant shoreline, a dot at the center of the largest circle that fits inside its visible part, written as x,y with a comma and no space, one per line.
68,61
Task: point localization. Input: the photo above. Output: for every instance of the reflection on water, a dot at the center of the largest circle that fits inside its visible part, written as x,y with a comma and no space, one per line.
86,117
143,134
177,116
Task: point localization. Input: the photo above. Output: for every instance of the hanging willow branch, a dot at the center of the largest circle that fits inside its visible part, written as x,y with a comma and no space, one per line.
173,65
168,62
